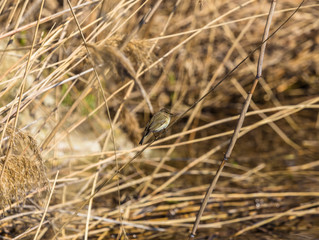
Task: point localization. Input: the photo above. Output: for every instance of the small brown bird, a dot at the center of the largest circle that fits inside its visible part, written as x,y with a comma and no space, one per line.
158,122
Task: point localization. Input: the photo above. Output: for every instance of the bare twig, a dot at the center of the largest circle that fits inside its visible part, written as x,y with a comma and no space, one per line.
46,207
240,120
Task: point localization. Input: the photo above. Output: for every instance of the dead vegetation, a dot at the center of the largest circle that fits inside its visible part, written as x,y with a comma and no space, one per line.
93,77
21,167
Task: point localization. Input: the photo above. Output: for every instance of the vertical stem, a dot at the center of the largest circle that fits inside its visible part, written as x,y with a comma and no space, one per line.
239,123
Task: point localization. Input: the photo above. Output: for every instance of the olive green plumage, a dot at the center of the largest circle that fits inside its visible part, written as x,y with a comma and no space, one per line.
158,122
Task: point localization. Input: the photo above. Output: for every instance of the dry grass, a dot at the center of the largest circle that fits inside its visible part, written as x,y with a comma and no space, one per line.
22,169
87,112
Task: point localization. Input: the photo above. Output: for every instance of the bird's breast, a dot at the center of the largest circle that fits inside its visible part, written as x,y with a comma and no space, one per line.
163,126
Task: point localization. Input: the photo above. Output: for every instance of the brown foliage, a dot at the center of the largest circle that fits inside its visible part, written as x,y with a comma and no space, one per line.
24,170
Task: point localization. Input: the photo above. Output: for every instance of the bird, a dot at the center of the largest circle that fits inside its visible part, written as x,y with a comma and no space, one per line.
158,122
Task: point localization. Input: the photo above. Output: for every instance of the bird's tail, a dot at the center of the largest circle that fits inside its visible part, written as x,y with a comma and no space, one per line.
141,142
145,133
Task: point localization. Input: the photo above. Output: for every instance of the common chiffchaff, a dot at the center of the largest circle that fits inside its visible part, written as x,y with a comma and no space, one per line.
158,122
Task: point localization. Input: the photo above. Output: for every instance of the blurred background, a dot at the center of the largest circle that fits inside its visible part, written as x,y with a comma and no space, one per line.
78,87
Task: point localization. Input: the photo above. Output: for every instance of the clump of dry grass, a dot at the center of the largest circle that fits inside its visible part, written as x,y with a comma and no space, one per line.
137,50
122,63
23,170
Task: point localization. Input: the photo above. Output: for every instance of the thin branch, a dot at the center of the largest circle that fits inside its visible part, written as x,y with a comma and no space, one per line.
46,207
240,120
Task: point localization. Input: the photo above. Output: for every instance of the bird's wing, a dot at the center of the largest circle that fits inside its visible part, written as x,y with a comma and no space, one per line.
146,129
157,124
